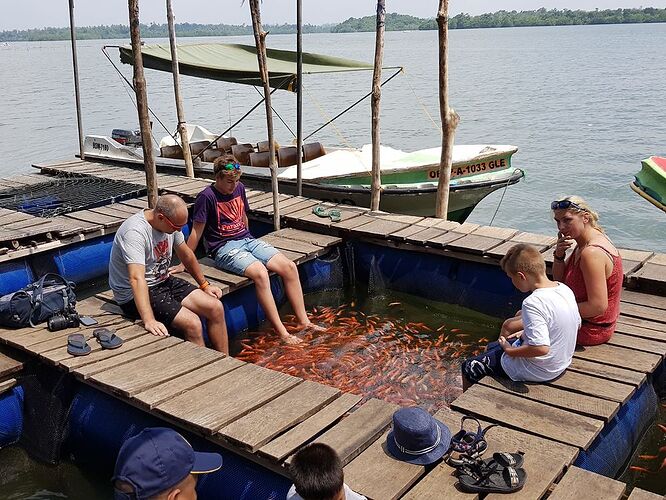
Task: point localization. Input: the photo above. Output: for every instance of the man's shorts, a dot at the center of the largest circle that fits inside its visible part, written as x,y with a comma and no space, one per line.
486,363
236,256
165,300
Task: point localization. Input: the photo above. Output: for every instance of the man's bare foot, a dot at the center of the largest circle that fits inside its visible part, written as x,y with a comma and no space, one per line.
290,339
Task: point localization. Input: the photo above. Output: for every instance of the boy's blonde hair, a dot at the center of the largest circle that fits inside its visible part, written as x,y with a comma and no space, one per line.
523,258
594,216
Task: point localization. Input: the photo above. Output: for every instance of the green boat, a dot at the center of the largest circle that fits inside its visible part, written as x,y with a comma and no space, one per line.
650,182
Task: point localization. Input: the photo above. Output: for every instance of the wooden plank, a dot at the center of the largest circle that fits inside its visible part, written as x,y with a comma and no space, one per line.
545,460
9,365
380,228
60,343
620,356
595,386
115,210
501,250
351,223
137,203
499,233
88,216
306,204
644,312
439,483
221,401
607,371
643,323
320,240
464,228
637,331
406,219
422,237
176,386
635,255
643,299
6,385
288,442
376,474
265,203
405,233
579,483
474,244
651,278
559,397
210,271
529,416
287,244
639,344
84,372
639,494
357,431
136,376
444,240
260,426
658,258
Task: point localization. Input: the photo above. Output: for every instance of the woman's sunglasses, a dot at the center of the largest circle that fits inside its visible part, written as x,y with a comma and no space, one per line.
565,205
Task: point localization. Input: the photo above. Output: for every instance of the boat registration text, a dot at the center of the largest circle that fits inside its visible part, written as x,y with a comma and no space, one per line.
474,168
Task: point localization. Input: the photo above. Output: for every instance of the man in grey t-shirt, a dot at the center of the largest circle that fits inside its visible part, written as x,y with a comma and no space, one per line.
141,284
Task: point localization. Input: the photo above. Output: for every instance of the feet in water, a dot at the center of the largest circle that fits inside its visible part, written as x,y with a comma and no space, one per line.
290,339
310,327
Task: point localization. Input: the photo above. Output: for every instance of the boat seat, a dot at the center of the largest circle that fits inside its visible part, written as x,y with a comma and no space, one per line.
313,150
174,151
287,156
198,146
211,154
241,152
225,143
262,146
260,159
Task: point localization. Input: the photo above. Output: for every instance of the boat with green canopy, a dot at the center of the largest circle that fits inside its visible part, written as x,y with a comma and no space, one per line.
409,179
650,182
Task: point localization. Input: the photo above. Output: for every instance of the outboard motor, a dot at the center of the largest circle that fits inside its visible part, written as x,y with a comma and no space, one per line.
130,138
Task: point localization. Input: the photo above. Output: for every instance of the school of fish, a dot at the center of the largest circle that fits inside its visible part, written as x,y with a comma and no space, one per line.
407,363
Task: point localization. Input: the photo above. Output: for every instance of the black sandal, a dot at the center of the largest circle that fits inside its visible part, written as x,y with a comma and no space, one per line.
467,445
492,480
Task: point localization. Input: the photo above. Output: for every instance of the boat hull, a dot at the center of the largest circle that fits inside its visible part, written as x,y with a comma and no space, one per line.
650,182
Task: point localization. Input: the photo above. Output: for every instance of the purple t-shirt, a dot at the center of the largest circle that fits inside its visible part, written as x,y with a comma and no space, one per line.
223,215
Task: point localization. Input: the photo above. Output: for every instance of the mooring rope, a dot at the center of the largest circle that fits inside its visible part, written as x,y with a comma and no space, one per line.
508,182
423,106
326,117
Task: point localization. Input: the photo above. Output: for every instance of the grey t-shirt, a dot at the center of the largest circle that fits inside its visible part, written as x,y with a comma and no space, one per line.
137,242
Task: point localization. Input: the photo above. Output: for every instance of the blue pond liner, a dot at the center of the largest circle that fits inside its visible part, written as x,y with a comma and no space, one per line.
11,416
99,424
14,275
611,449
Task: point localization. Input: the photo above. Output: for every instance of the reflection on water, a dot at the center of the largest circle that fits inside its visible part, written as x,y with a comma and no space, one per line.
398,348
24,478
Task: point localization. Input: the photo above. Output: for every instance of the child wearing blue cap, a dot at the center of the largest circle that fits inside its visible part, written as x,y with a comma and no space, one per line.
158,463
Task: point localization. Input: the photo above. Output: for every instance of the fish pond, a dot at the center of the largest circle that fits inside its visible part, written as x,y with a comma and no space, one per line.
398,347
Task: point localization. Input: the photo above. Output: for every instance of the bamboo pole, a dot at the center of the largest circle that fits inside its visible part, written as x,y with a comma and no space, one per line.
260,41
75,64
449,117
299,97
139,82
375,187
182,129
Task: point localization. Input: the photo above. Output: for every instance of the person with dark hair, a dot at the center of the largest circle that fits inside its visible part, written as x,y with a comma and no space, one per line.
316,471
159,464
220,216
141,284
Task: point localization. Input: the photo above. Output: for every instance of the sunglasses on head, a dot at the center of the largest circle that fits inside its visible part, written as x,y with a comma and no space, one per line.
565,205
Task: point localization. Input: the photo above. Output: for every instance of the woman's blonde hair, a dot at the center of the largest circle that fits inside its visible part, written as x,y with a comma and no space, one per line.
584,207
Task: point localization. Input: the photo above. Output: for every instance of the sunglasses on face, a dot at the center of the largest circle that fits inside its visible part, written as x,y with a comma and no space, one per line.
232,166
173,226
565,205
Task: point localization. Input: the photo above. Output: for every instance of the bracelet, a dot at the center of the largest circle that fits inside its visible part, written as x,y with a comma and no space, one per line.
559,259
204,285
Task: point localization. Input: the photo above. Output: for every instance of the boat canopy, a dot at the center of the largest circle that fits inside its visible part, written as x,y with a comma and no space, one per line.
237,63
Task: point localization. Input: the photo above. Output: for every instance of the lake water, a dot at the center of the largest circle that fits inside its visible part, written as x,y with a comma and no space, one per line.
584,104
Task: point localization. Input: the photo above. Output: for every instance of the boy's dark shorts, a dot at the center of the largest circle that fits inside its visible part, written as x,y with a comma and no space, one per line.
486,363
165,300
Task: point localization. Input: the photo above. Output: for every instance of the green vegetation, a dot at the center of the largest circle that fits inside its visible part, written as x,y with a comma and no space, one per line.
394,22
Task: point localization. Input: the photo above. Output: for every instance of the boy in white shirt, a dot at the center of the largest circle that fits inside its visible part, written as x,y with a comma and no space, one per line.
550,320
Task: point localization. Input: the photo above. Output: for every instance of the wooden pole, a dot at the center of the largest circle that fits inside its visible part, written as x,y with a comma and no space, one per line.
299,97
182,129
375,187
75,64
449,117
260,41
142,103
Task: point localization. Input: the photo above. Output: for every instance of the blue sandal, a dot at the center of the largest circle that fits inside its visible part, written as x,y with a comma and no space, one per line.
107,338
77,345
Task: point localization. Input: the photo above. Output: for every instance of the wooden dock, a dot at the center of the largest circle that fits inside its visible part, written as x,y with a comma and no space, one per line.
200,390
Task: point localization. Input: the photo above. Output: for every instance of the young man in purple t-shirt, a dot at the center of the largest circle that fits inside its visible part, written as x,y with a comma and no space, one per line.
220,216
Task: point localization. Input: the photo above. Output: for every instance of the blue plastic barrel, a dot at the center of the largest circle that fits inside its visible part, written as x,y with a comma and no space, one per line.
84,261
11,416
14,275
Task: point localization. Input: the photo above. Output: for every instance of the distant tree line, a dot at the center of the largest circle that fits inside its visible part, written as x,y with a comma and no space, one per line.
394,22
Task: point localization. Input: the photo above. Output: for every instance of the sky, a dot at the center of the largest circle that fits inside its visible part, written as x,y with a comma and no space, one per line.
26,14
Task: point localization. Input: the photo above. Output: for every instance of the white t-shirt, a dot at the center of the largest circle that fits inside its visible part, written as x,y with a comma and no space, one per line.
550,318
137,242
349,494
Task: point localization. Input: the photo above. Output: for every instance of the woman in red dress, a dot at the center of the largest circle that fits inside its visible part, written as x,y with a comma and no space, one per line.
593,270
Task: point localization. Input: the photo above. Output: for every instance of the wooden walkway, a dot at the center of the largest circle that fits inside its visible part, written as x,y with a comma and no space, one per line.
205,392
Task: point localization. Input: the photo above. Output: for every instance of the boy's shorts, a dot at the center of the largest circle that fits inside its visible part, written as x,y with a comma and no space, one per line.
486,363
236,256
165,300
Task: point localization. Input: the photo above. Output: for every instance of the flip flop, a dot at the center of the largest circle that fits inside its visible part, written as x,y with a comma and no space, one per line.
77,345
107,338
333,213
495,480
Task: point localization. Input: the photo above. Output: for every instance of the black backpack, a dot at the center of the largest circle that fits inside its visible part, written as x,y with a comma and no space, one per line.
37,302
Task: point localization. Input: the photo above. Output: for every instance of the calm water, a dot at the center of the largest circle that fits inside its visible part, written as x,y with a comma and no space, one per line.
584,105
